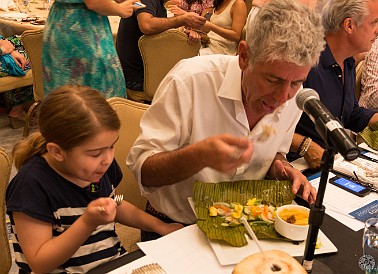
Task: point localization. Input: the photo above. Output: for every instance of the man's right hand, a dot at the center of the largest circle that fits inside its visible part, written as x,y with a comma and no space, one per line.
225,152
193,20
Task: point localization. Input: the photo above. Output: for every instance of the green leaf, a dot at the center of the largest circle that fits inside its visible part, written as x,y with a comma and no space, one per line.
272,192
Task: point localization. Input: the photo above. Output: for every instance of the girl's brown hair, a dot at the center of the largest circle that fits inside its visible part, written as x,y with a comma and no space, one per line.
68,117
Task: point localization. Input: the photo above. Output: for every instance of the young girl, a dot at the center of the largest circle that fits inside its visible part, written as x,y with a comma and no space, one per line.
61,213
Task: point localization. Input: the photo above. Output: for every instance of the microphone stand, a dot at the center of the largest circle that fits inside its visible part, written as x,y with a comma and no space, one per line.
317,209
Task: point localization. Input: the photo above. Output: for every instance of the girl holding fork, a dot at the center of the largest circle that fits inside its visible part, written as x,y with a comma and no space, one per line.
63,219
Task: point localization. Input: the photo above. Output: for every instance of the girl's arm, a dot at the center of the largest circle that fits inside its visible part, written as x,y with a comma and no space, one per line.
130,215
239,17
106,7
45,253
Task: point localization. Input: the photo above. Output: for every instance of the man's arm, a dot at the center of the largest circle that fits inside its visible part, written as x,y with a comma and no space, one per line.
166,168
312,155
373,119
149,24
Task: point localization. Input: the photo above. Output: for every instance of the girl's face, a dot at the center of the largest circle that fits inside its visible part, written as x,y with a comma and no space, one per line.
89,161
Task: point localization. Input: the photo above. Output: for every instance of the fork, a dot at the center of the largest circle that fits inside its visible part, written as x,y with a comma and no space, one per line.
118,199
153,268
237,153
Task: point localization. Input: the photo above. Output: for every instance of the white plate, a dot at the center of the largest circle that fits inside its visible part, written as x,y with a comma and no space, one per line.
227,254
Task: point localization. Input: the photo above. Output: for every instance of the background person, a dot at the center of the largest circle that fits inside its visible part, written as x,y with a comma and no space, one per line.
78,46
224,29
369,79
150,20
14,62
350,28
179,7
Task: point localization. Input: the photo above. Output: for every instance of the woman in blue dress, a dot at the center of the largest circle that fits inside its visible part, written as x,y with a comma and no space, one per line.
78,46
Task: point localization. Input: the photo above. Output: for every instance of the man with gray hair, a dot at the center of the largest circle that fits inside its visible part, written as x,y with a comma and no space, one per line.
224,118
351,27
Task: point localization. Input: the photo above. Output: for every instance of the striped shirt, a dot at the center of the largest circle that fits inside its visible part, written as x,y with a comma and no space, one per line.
38,191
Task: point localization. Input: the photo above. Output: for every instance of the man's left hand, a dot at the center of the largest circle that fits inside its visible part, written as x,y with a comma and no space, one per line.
301,186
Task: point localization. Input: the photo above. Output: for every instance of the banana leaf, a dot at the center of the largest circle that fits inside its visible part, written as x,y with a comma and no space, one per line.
271,192
370,136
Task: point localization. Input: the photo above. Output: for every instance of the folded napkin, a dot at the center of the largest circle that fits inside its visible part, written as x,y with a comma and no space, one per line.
6,5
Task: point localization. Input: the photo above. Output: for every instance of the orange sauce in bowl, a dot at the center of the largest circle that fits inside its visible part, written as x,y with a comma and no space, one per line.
294,216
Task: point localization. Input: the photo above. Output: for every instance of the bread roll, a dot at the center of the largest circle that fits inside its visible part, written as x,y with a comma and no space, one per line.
259,264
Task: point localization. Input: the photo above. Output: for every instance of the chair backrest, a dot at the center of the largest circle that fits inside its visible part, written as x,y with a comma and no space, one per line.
32,40
130,113
5,253
359,69
160,52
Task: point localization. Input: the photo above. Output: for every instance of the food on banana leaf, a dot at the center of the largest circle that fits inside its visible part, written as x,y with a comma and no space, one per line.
220,206
253,210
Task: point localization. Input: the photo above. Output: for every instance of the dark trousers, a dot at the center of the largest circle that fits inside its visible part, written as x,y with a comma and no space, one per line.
148,236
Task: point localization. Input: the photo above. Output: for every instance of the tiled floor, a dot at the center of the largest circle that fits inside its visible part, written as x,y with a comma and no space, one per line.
9,136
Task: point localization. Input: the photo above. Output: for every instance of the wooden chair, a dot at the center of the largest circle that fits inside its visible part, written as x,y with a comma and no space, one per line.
160,52
32,40
5,257
11,82
130,113
359,69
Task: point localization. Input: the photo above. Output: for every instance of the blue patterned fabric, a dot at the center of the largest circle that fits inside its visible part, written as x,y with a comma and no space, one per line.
78,48
8,65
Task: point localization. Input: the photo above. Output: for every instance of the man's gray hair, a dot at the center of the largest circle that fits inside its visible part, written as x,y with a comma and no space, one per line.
336,11
285,30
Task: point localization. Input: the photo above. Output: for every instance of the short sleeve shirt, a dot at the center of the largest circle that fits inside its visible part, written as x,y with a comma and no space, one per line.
38,191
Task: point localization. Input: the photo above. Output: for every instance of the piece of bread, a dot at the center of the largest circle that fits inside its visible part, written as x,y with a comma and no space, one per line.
257,263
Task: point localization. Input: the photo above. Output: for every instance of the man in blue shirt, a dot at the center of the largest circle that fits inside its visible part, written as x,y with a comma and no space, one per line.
350,28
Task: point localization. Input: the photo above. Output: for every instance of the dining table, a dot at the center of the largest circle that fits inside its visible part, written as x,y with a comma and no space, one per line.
11,21
344,261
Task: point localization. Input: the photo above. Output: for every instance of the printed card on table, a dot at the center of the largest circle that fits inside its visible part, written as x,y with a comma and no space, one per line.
368,211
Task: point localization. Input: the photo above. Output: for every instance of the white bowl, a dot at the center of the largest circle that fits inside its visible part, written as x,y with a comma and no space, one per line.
291,231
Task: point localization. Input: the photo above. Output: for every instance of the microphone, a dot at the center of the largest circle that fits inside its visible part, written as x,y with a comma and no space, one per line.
326,124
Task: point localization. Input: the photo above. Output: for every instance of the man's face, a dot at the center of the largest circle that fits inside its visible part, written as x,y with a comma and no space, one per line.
364,35
269,85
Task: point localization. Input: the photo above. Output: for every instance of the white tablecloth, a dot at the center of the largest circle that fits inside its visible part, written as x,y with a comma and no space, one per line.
11,26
